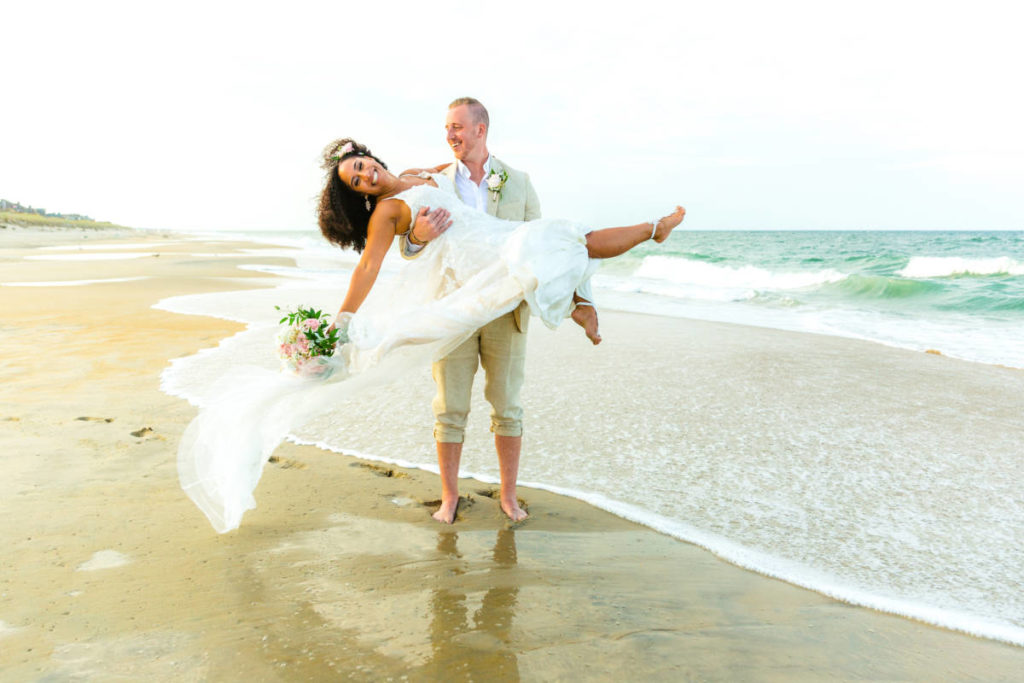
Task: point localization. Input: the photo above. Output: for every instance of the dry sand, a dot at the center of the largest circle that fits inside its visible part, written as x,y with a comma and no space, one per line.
110,573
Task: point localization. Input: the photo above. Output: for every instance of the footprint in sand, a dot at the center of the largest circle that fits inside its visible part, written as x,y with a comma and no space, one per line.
495,494
147,433
465,502
103,559
286,464
95,419
380,471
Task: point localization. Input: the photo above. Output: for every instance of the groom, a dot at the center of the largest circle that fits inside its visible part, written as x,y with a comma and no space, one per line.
484,182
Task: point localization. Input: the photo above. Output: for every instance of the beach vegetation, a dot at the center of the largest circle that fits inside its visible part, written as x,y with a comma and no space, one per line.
35,220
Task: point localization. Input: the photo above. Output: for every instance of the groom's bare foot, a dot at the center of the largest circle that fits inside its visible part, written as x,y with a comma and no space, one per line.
586,317
512,510
668,223
446,513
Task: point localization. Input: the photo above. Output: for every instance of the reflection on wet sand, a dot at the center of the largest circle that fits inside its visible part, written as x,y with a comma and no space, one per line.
487,639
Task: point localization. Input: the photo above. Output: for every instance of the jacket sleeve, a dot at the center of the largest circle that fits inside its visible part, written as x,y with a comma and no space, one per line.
407,248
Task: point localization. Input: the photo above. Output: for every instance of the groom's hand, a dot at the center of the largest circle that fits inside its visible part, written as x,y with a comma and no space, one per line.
429,225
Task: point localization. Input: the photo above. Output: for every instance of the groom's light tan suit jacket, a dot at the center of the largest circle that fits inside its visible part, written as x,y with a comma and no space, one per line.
517,201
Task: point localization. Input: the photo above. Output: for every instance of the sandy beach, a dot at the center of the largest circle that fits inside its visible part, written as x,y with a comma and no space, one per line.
110,573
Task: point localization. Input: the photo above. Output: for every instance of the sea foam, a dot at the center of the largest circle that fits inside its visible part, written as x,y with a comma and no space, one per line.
92,256
684,271
951,266
72,283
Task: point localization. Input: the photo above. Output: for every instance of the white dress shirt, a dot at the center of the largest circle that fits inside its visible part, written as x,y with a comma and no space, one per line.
469,192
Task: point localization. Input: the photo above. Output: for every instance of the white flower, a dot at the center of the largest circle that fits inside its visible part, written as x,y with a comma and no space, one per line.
495,181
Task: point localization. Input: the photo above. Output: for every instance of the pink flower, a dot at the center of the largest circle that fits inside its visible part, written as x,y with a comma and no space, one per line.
311,324
302,343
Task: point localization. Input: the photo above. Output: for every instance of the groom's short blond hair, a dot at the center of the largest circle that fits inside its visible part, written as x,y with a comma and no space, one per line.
478,110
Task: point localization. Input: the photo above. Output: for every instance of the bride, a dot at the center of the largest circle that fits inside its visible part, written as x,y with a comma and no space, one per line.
364,206
474,268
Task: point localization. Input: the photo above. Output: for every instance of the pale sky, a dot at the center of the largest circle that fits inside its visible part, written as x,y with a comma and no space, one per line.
753,115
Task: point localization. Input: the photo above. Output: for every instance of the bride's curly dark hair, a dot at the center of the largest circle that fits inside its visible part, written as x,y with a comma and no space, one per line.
343,214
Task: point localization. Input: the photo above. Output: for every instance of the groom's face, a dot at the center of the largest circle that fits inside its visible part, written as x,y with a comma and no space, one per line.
465,136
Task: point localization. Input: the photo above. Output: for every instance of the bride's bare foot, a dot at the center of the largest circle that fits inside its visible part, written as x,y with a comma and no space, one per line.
446,513
667,224
586,317
512,510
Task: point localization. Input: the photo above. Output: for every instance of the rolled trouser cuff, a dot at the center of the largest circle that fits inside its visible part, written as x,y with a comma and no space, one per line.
446,434
507,427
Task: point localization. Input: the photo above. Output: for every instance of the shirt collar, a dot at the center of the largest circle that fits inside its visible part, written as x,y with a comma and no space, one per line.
463,170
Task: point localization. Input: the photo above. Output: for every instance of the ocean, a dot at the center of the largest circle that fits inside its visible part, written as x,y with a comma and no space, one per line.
946,545
960,293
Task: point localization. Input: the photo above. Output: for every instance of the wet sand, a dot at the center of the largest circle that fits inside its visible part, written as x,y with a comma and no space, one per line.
110,572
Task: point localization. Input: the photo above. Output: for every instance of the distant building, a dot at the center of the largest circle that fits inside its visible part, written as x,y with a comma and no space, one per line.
18,208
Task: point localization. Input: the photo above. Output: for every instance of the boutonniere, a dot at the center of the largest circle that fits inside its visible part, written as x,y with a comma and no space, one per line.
496,181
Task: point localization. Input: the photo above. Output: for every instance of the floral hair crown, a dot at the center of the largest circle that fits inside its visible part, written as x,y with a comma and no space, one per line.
343,151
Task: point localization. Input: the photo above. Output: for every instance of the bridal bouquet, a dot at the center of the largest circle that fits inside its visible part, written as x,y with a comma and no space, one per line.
308,341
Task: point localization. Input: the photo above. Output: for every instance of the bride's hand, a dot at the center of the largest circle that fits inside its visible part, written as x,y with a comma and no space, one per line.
429,225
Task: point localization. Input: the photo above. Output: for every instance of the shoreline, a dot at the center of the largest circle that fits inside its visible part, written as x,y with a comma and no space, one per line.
724,548
340,569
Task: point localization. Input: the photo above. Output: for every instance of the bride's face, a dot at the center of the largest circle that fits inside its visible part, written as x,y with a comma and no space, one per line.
362,174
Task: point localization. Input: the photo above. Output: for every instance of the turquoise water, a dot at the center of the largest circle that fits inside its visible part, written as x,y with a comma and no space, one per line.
961,293
918,273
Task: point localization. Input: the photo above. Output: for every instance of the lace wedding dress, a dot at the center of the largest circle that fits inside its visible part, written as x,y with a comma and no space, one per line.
481,268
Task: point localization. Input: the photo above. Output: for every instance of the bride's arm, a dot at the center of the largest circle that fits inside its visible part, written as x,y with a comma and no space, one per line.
388,219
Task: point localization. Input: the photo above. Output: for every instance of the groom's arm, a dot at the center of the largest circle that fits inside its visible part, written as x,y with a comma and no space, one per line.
435,169
408,249
426,226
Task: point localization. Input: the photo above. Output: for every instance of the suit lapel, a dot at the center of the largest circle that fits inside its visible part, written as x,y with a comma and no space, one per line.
492,197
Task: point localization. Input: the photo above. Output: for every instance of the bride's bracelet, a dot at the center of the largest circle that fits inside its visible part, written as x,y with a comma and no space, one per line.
654,226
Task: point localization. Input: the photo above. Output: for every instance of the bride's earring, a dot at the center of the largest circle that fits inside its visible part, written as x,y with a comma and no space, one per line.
367,198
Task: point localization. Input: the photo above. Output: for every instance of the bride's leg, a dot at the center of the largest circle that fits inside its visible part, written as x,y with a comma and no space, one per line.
610,242
586,317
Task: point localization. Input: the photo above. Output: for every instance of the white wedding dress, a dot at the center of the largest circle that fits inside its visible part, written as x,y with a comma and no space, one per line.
481,268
